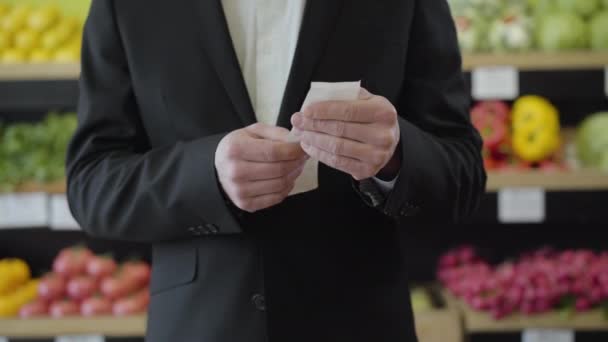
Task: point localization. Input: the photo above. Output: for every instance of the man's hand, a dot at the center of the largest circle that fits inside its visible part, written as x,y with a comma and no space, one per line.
357,137
256,167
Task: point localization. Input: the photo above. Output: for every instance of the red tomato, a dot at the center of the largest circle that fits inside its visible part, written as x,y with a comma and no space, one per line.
38,307
96,306
138,270
138,303
101,266
72,261
118,287
81,287
64,308
51,287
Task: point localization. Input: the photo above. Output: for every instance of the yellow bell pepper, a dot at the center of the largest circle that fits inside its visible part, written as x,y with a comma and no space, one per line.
536,131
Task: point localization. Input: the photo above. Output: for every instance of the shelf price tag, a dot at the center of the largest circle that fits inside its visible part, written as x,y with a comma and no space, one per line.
23,210
521,205
81,338
60,217
3,339
495,83
548,335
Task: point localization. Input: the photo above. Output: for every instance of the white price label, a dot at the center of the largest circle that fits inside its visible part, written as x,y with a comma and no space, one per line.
23,210
521,205
3,339
495,83
60,217
540,335
83,338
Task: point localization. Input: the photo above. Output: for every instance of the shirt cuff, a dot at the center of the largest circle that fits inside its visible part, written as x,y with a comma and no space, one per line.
385,186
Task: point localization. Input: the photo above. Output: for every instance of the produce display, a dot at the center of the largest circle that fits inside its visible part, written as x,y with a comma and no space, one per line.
592,141
38,34
81,284
17,288
34,152
524,25
525,136
537,282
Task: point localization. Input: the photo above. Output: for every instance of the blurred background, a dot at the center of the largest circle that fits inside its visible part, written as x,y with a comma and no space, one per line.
531,265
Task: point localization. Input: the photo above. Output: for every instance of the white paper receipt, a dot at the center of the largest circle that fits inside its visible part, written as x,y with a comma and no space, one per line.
319,92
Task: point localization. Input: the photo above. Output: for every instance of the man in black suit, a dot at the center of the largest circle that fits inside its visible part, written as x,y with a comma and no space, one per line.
168,152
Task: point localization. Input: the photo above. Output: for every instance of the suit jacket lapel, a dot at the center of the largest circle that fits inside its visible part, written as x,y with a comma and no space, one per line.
319,21
218,46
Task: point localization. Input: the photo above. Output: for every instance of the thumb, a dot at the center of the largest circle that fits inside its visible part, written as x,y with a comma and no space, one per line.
364,94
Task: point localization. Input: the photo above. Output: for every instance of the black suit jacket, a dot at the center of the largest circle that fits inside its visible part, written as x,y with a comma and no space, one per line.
161,86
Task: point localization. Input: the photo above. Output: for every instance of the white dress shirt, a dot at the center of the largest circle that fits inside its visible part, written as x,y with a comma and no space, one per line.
265,35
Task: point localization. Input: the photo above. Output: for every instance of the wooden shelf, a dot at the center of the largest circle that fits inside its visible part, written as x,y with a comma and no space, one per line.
482,322
577,180
51,188
39,72
439,326
524,61
479,322
539,60
134,326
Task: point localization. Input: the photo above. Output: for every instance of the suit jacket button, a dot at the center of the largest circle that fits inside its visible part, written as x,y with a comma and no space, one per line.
212,229
259,301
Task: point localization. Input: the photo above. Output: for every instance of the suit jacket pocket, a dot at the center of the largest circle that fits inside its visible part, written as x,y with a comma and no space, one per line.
174,264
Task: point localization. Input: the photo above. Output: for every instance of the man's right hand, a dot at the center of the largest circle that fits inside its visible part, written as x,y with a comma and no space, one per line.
256,167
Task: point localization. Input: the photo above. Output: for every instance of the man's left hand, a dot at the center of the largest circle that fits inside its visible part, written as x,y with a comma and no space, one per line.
357,137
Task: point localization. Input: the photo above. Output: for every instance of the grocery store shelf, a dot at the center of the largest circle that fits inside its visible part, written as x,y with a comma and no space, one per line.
438,325
482,322
579,180
478,322
539,60
51,188
38,72
523,61
46,327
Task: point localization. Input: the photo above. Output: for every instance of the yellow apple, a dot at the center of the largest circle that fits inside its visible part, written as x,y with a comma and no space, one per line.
26,39
43,18
41,56
15,19
14,56
4,9
6,40
66,55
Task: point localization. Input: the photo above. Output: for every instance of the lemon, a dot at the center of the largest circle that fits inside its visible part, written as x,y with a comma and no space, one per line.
40,56
26,39
57,36
4,9
43,18
14,56
67,26
68,54
6,41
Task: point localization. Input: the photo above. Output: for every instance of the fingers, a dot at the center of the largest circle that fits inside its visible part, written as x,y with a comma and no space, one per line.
269,186
353,131
355,168
258,195
255,171
264,131
343,147
372,110
263,150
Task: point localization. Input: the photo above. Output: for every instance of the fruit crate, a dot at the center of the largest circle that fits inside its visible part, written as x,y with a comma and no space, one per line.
435,321
134,326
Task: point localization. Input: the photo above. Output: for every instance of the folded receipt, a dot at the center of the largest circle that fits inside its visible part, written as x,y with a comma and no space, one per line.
319,92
